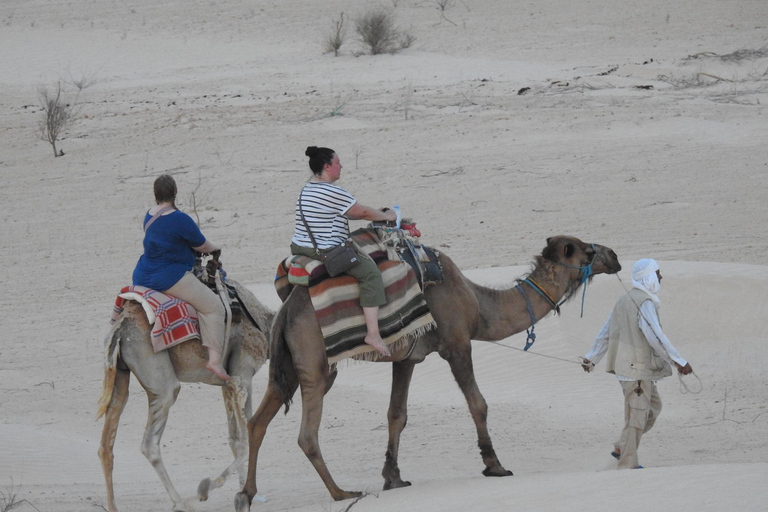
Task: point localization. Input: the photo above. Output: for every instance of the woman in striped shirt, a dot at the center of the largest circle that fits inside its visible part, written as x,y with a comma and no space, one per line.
327,209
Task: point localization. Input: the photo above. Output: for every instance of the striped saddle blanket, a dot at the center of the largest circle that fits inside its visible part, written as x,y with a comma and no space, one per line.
402,319
174,320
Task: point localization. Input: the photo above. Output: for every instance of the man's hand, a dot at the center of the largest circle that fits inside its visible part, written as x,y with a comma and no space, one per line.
587,364
685,370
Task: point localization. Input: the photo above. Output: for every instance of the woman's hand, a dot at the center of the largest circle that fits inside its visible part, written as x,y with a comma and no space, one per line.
207,248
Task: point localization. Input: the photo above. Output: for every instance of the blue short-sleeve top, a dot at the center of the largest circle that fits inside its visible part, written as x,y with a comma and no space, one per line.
168,252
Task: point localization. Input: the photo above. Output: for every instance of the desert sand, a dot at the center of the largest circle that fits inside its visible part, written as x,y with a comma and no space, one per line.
643,128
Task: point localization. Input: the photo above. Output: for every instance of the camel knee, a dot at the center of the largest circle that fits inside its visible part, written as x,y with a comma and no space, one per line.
107,458
397,419
151,450
310,447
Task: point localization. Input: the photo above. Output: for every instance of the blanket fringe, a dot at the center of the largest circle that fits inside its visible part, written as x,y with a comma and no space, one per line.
411,337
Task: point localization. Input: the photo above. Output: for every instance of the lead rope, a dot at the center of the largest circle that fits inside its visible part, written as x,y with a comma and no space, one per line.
684,389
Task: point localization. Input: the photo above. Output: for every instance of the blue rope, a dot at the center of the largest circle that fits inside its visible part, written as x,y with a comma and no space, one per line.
538,290
531,335
585,273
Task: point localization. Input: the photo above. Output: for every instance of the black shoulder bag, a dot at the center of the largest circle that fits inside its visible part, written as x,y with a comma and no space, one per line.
337,259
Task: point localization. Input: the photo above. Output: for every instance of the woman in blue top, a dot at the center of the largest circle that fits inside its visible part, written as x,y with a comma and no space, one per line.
171,238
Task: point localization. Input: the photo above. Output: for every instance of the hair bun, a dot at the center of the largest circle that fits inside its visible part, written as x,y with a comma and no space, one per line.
311,151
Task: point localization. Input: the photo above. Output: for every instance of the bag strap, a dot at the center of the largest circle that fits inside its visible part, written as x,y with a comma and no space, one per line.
156,216
304,220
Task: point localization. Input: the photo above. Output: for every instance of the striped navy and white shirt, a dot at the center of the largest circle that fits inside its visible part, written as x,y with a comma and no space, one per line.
324,206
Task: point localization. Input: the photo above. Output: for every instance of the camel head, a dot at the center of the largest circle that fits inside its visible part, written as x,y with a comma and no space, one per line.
570,251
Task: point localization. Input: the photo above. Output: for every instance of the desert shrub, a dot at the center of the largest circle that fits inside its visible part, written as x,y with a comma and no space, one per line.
337,36
378,31
58,114
406,39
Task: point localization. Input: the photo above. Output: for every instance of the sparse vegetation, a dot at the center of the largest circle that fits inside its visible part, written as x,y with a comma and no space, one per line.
337,36
407,98
444,5
58,114
379,32
198,198
9,500
737,56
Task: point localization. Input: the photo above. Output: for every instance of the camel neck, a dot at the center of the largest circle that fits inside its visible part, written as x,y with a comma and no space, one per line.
508,312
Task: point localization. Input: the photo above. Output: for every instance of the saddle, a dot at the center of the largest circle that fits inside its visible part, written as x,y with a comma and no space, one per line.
402,319
175,321
404,244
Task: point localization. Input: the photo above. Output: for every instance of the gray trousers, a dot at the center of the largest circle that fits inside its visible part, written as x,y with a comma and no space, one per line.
640,414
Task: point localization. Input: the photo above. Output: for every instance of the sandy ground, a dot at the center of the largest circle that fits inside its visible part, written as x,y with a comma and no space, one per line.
643,128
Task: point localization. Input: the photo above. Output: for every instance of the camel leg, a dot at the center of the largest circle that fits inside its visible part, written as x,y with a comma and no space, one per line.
162,387
397,417
257,429
108,434
234,395
461,367
312,393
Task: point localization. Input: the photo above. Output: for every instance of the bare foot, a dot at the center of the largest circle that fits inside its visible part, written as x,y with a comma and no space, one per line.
218,370
376,342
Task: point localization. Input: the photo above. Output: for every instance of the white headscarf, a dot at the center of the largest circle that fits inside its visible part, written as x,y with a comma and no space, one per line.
644,277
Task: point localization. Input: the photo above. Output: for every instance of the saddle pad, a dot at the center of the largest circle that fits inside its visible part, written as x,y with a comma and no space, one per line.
174,320
404,317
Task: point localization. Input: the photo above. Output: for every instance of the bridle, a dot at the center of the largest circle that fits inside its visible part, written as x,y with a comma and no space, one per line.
585,272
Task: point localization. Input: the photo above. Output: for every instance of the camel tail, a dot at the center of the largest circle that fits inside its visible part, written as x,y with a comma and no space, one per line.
112,351
280,358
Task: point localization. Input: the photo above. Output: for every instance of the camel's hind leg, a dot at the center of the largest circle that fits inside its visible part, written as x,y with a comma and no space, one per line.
460,361
111,421
257,429
397,417
312,393
236,395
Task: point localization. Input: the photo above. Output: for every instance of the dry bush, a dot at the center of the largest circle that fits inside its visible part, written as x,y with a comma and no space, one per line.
336,38
9,500
378,31
59,114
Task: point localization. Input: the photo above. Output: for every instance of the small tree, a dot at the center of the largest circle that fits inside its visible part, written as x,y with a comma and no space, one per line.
378,31
59,115
337,36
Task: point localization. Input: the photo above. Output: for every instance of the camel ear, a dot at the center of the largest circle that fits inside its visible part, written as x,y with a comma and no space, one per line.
568,250
549,240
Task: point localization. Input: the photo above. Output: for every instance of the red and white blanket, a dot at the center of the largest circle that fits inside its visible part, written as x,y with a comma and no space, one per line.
174,320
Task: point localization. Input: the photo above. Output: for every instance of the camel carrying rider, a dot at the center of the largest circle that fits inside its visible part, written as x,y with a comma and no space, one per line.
171,238
327,208
639,354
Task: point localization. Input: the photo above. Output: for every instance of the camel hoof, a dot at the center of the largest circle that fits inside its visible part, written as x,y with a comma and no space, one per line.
396,485
346,495
496,472
242,503
203,488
